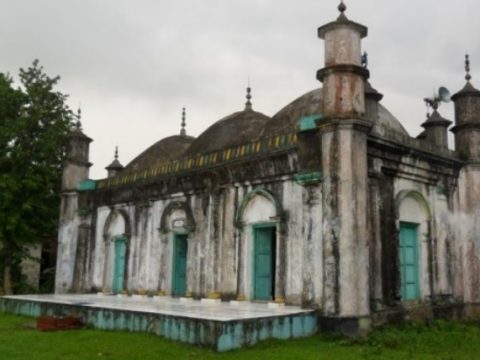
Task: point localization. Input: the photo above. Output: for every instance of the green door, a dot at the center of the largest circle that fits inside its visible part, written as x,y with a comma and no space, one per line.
264,263
180,250
119,267
409,261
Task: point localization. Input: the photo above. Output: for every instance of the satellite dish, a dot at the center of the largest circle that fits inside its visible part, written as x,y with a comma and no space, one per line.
444,94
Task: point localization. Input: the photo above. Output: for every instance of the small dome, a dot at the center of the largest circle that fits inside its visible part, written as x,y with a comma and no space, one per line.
286,120
170,148
236,129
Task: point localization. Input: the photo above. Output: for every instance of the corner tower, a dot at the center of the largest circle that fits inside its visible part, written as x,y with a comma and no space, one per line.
115,168
76,170
344,130
77,164
467,119
467,197
343,76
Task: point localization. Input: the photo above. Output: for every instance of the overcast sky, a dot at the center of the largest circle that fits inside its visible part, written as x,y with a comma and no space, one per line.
133,64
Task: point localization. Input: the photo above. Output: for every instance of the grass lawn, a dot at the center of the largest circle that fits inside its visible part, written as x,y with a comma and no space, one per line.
441,341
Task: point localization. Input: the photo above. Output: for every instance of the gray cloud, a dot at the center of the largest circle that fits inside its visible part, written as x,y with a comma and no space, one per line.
133,64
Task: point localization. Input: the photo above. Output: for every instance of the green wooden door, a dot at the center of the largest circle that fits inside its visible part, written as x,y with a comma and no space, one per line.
180,250
119,266
409,261
264,263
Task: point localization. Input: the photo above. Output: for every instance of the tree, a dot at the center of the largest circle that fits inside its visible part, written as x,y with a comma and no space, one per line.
34,124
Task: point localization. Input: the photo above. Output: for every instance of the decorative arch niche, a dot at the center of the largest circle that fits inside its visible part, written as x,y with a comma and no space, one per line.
177,217
117,224
404,200
268,208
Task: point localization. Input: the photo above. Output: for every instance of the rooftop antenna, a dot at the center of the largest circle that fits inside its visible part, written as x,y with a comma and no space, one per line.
183,132
441,96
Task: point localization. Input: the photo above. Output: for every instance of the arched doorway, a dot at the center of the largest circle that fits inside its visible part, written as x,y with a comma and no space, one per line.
260,268
116,239
413,251
177,225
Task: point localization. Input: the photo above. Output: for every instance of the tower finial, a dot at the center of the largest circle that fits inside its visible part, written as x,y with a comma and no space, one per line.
116,153
468,77
248,104
184,122
79,118
342,7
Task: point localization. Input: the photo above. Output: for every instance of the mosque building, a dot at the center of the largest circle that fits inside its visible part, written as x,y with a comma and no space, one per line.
329,204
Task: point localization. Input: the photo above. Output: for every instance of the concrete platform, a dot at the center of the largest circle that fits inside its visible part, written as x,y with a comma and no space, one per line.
222,326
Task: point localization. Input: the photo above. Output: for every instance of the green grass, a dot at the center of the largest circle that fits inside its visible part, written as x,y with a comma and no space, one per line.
440,341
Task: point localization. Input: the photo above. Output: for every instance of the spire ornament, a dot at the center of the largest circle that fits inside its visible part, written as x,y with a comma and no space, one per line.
79,118
342,7
468,77
183,131
248,104
116,153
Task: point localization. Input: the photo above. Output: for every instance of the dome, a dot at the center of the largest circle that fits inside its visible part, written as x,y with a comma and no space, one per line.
236,129
170,148
286,120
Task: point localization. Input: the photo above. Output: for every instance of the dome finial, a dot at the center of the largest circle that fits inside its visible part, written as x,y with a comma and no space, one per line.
342,7
116,153
184,122
468,77
248,104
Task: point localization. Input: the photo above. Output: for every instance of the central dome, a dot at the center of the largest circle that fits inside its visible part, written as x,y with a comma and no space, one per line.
170,148
238,128
311,103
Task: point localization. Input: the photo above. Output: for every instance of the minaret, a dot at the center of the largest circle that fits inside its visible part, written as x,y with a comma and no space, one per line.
372,96
467,195
372,100
436,129
467,119
76,170
344,130
343,76
115,167
77,163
